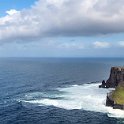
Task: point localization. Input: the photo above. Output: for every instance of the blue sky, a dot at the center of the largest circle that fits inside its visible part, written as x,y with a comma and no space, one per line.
61,28
14,4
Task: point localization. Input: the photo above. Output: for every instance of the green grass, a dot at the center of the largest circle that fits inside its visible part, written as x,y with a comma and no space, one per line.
118,94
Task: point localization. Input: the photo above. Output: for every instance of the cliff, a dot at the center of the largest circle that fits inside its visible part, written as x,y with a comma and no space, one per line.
115,98
116,76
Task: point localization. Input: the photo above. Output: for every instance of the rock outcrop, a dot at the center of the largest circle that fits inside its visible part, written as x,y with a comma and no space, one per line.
111,102
103,85
115,98
116,76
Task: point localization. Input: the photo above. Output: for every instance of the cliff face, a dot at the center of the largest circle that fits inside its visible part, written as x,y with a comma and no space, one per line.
115,98
116,76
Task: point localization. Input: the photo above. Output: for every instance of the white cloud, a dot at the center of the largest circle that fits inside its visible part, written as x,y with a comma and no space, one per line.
71,45
12,12
98,44
121,43
63,18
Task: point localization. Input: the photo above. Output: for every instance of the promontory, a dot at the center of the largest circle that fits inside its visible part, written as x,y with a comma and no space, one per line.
115,98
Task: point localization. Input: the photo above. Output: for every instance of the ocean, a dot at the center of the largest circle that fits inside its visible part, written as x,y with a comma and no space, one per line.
56,91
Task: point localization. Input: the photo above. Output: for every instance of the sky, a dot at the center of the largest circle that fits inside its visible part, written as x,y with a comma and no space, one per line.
62,28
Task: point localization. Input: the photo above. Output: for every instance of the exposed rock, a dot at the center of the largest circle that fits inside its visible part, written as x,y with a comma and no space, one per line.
115,98
116,76
117,106
111,102
103,85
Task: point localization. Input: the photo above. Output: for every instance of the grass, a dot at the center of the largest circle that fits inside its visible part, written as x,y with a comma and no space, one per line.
118,94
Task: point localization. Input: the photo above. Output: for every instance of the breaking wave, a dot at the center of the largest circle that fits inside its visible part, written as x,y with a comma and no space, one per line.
87,97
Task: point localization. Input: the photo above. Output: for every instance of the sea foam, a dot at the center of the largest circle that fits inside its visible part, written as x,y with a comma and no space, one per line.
87,97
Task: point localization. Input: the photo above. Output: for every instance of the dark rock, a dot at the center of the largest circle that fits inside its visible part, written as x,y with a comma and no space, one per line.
109,101
117,106
100,86
103,85
116,76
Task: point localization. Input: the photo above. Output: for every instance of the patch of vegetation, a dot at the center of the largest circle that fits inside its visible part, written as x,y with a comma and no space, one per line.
118,94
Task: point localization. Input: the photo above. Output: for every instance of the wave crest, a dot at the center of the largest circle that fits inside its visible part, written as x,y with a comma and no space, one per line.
88,97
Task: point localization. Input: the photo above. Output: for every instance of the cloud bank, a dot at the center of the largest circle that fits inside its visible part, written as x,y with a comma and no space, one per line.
51,18
99,44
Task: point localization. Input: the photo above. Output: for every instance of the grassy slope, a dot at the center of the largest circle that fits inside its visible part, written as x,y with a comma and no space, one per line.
118,95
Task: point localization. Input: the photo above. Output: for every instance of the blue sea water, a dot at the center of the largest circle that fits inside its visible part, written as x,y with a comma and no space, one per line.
55,91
